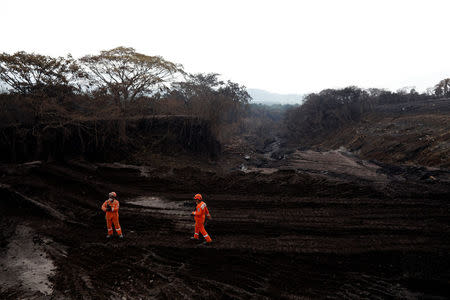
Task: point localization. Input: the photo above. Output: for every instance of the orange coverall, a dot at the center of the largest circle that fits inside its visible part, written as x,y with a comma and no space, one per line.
112,216
199,215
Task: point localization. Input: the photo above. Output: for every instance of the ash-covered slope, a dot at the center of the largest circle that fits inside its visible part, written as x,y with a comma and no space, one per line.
412,133
108,139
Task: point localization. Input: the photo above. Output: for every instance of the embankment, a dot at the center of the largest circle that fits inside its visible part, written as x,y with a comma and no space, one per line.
108,140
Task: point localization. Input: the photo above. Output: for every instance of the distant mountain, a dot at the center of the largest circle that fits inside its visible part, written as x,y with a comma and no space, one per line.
265,97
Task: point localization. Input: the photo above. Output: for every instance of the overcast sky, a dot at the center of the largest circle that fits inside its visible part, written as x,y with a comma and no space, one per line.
280,46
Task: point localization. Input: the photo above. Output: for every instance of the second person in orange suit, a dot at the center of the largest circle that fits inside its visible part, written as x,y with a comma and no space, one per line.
201,211
111,207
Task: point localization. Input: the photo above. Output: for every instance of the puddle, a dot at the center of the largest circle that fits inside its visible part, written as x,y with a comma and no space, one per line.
26,266
144,171
162,205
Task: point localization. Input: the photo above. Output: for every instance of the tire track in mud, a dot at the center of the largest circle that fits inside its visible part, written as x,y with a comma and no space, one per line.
264,246
252,262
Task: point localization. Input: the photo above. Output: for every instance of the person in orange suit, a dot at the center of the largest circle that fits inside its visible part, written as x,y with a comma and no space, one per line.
201,211
111,208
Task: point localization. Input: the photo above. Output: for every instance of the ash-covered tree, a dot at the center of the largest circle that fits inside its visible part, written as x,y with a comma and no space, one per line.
442,89
39,75
238,98
197,86
209,97
327,111
127,75
206,96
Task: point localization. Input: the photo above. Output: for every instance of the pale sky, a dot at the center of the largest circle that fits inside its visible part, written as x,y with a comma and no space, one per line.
280,46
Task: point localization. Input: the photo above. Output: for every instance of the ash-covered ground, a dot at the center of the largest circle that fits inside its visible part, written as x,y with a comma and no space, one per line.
309,225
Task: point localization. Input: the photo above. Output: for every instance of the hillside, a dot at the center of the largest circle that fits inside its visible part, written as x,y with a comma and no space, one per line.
411,133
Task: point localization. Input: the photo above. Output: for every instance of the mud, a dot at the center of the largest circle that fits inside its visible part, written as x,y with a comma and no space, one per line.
320,225
26,266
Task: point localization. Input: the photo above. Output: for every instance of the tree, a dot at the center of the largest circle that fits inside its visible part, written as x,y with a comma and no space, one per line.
209,86
216,98
208,97
196,87
235,92
126,75
238,99
442,89
35,74
326,112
